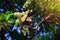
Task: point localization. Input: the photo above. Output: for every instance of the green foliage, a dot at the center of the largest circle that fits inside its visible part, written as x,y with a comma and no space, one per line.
6,16
27,3
41,7
25,30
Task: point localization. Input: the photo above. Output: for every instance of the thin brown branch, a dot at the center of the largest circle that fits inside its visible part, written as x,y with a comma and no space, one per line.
43,19
21,26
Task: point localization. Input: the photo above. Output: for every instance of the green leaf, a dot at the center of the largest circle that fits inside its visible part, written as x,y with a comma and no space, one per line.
8,16
25,30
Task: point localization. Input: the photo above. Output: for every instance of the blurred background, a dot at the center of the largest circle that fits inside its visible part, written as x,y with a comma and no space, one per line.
29,19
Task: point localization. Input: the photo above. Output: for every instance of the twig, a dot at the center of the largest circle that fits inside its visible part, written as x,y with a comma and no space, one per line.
33,15
43,19
25,20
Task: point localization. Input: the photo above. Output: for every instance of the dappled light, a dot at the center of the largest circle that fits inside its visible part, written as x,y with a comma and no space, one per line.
29,19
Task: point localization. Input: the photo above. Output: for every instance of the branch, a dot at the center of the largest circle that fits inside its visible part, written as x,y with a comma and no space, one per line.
44,19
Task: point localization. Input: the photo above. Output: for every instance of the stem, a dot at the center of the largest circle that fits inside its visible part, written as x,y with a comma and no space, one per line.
44,19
